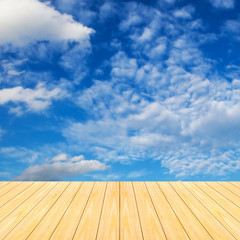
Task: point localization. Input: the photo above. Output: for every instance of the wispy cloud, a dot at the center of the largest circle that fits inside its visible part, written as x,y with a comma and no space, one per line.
227,4
137,174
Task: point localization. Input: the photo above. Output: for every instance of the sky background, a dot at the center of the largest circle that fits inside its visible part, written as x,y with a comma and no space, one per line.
119,90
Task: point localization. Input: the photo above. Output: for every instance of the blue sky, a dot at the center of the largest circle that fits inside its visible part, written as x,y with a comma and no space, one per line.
119,90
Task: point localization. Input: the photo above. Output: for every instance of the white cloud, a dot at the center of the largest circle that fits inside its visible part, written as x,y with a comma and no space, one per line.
133,17
59,170
122,66
227,4
185,12
236,83
21,154
181,118
232,27
26,21
60,157
107,10
34,100
138,174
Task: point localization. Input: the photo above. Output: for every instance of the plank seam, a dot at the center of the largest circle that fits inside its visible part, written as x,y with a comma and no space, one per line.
119,214
83,210
234,184
138,211
218,204
30,210
155,210
16,195
11,189
65,211
101,211
6,183
222,195
192,212
229,189
172,209
22,202
208,210
48,211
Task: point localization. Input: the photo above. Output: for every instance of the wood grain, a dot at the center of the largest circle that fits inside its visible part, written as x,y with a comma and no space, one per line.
119,210
151,226
130,227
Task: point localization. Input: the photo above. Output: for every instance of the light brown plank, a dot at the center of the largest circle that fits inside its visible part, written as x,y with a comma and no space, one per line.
221,200
224,193
151,226
219,212
8,187
17,215
212,225
68,224
9,196
87,228
19,199
193,227
47,225
3,184
129,220
237,184
109,221
170,222
22,230
231,187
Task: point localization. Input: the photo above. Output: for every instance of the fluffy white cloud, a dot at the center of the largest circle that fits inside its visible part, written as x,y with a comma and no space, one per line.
34,100
61,168
26,21
223,3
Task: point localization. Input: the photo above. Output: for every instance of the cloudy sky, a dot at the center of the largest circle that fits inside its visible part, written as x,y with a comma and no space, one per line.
119,90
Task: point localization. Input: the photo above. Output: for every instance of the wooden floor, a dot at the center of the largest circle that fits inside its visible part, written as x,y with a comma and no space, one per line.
119,210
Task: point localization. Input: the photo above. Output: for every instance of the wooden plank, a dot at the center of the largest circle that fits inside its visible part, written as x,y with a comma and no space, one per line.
171,224
19,199
217,211
225,193
109,221
87,228
17,215
8,187
237,184
14,193
231,187
151,226
68,224
129,220
211,224
221,200
47,225
2,184
193,227
27,225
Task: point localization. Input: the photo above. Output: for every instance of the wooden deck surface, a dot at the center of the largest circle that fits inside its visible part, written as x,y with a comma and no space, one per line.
119,210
